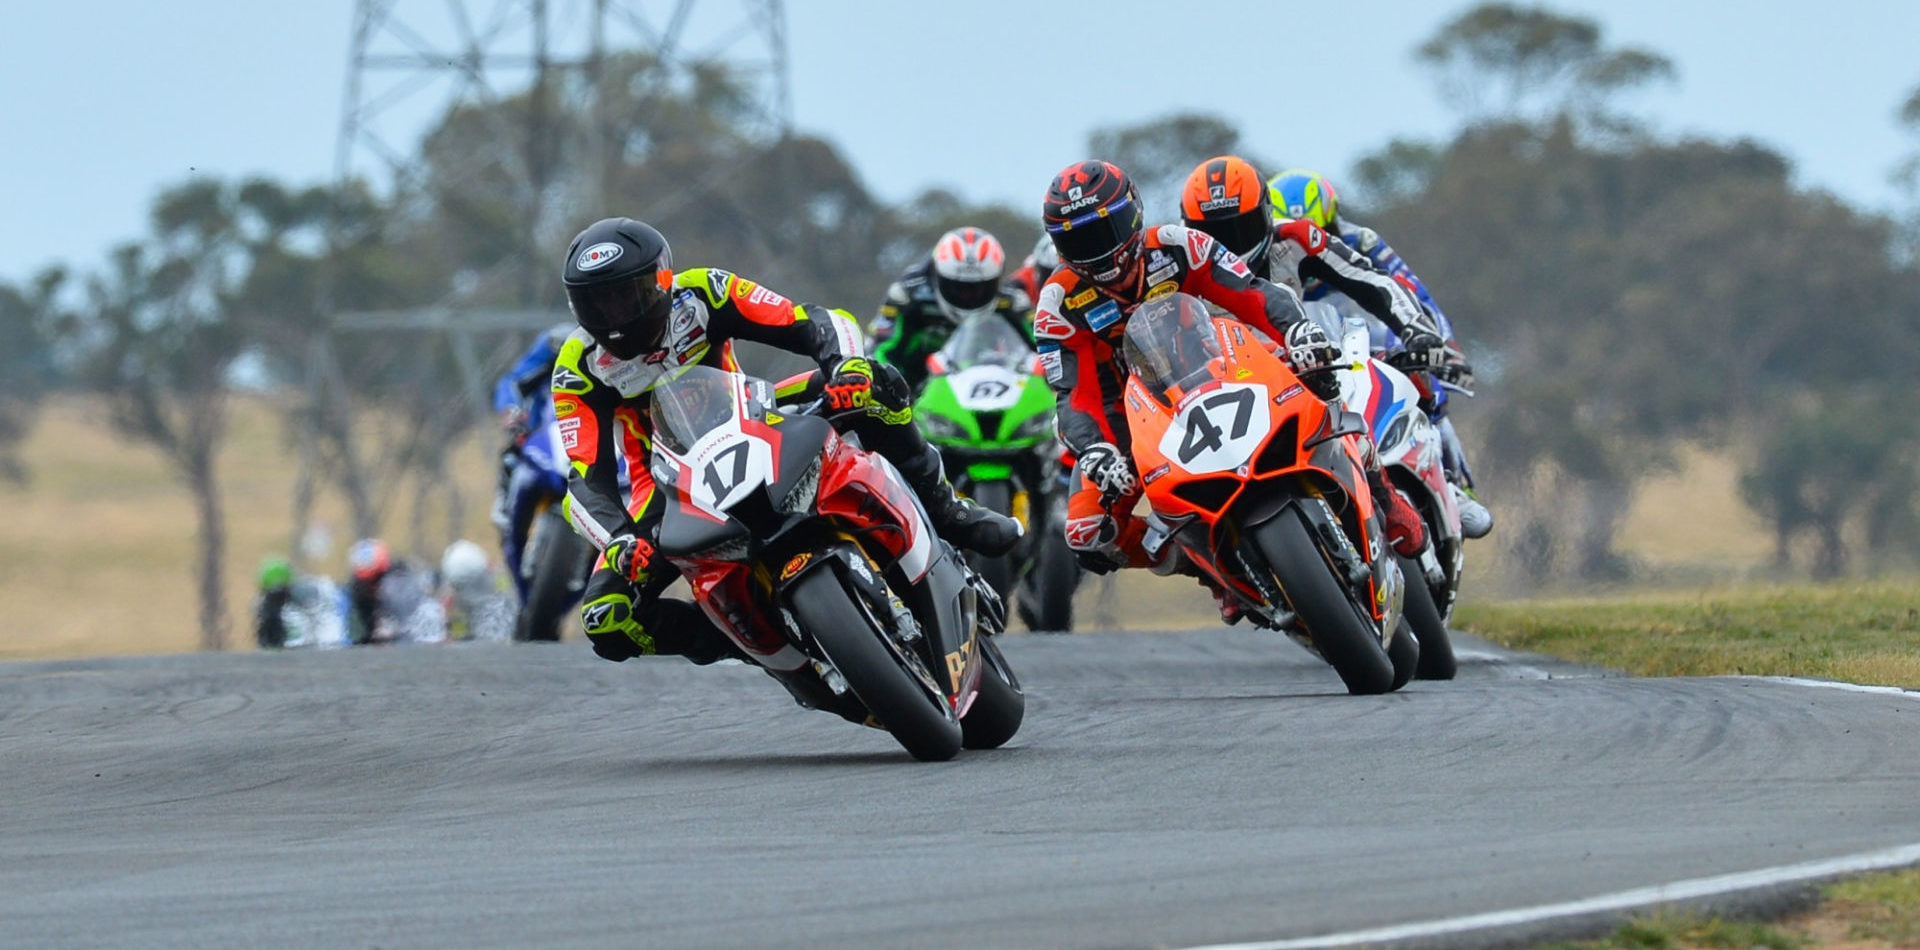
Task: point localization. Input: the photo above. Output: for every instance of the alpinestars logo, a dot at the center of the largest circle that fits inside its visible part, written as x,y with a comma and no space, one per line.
1083,534
1048,325
567,381
595,617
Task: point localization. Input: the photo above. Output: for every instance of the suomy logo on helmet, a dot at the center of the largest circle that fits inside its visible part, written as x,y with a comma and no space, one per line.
598,256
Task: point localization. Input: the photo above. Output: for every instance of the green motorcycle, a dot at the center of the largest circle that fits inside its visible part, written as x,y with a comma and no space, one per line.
991,416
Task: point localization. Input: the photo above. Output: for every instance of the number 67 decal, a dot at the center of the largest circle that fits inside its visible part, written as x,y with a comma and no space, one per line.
1219,431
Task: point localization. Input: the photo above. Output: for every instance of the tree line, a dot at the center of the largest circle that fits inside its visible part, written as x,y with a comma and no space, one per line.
1624,294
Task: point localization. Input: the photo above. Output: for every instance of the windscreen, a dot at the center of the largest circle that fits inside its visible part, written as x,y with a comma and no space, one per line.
699,401
988,340
1171,344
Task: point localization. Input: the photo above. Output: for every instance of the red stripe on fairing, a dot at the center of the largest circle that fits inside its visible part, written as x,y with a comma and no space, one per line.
1380,385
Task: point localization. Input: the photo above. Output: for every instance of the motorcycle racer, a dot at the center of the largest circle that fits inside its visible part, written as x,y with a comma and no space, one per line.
1039,265
1304,195
640,324
961,278
1111,263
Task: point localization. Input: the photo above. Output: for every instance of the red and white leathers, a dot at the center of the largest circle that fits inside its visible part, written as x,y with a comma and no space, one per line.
1079,327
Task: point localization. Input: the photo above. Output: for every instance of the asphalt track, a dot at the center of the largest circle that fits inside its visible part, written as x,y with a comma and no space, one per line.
1168,790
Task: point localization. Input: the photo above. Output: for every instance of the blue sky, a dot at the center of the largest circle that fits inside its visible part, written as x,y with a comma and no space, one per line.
109,101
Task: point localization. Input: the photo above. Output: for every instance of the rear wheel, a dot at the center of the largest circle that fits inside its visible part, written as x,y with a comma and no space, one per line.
998,572
561,559
1329,617
854,643
999,707
1436,643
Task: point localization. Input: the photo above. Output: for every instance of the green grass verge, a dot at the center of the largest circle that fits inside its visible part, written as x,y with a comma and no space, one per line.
1858,632
1684,932
1867,913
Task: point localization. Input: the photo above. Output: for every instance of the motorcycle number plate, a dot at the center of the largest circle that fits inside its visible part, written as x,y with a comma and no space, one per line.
986,388
1219,429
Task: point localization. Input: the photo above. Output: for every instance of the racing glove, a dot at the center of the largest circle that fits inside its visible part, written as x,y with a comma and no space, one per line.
851,386
1424,351
1104,467
515,423
1309,348
629,555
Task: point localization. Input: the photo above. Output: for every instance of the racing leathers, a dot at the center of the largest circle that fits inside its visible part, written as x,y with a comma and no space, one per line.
1476,521
1302,254
911,324
522,402
1080,326
602,402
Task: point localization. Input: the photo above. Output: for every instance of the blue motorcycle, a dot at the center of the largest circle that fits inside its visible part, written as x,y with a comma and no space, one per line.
546,558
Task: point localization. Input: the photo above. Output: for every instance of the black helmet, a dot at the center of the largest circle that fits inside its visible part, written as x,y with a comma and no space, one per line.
1092,212
619,278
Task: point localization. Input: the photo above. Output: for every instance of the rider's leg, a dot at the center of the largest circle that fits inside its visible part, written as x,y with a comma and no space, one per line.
888,429
1475,520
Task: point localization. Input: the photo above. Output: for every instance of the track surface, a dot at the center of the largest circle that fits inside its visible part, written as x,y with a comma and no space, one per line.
1167,790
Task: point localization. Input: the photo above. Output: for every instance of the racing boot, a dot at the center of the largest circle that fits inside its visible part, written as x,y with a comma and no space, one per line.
1475,519
1405,531
957,519
1176,562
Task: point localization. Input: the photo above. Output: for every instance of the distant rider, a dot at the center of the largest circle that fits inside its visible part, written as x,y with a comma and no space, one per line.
1303,195
523,404
1039,265
1110,264
641,323
960,279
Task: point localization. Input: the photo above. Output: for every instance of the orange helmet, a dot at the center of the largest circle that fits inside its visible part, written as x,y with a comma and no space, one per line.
1226,198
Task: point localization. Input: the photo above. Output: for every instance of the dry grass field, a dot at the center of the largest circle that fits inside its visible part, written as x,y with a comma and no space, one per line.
97,551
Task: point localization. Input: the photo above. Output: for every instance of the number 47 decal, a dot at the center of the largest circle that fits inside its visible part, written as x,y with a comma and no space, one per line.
1204,434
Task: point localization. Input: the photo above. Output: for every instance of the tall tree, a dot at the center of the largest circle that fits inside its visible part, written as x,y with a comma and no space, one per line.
1503,61
26,316
1159,154
159,338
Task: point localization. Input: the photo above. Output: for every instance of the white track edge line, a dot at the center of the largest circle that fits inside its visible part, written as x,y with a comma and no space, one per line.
1622,900
1831,684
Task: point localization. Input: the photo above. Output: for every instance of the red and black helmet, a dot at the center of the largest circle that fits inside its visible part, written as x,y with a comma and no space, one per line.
1093,214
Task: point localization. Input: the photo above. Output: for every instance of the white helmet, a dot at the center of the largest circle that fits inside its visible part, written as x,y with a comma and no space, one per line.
967,266
463,563
1045,259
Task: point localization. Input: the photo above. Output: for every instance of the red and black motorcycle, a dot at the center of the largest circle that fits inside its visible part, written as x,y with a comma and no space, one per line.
816,559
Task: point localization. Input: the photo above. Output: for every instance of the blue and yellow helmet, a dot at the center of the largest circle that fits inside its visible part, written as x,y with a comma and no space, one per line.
1298,193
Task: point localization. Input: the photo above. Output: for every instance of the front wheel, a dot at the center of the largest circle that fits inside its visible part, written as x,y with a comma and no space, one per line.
999,707
1331,621
856,646
1047,603
1436,643
561,559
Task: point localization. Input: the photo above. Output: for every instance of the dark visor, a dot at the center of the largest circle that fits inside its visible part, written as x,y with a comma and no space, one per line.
1094,235
968,294
617,304
1243,233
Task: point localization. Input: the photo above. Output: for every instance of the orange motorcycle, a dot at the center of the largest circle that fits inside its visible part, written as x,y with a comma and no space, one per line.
1262,484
